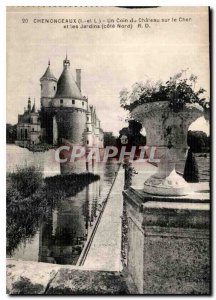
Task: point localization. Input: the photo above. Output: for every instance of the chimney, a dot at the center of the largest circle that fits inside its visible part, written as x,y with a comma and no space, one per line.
78,78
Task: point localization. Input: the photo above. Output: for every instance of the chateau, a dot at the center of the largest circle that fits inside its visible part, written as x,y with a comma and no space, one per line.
65,114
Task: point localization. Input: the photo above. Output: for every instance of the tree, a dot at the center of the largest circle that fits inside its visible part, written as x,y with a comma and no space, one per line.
11,133
109,139
198,141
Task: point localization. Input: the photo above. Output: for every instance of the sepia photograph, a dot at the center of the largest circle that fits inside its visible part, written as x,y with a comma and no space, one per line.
108,150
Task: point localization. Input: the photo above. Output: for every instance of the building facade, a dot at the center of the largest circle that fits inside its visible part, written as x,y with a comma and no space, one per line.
28,126
65,115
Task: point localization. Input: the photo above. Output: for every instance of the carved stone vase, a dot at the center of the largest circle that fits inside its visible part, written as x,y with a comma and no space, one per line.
167,131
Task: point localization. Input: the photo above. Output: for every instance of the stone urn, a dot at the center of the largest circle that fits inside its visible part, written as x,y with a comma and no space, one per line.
167,131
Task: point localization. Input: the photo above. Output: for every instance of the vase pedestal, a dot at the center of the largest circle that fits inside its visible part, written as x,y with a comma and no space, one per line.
166,181
168,241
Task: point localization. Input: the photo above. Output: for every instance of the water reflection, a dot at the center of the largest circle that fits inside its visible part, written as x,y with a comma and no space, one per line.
63,234
60,233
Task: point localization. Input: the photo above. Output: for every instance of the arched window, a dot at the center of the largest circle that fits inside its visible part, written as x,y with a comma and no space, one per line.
54,88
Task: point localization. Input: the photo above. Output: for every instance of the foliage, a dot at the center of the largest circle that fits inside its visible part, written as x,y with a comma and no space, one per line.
11,133
198,141
178,91
109,139
25,205
26,180
132,132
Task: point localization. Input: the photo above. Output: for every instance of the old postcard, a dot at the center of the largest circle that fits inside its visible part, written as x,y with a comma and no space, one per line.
108,151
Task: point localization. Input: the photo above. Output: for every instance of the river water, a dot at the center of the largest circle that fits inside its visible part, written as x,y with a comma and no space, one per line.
61,235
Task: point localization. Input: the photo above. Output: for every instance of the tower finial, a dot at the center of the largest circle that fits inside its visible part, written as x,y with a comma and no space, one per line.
66,62
29,104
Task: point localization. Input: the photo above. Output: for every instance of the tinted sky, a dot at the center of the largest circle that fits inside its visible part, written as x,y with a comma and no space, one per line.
110,59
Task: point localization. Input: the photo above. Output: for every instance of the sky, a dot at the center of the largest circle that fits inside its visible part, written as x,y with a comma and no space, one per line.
110,59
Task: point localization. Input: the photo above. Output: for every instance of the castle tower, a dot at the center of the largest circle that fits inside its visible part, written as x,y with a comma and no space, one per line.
29,104
97,132
48,90
70,107
48,87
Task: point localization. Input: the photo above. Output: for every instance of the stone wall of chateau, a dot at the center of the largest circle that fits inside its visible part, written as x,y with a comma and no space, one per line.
71,124
47,125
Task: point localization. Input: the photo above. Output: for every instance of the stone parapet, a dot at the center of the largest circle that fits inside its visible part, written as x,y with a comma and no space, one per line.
33,278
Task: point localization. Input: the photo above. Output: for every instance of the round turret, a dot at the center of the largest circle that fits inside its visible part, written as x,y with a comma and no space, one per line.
68,93
70,107
48,87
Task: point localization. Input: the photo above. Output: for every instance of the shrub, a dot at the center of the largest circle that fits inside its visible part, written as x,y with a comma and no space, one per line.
26,180
191,171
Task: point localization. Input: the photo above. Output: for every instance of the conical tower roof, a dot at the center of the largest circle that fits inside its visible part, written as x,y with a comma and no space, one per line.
48,74
66,86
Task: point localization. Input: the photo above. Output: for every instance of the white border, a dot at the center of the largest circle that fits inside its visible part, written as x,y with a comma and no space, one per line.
3,4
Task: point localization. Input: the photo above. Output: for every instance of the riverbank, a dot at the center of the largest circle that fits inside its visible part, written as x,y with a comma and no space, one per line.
43,147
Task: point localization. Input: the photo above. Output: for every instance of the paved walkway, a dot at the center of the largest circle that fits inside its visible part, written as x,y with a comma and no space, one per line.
105,250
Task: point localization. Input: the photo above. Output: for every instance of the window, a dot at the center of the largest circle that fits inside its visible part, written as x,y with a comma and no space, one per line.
73,101
87,142
82,103
87,129
33,129
61,101
54,88
87,118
